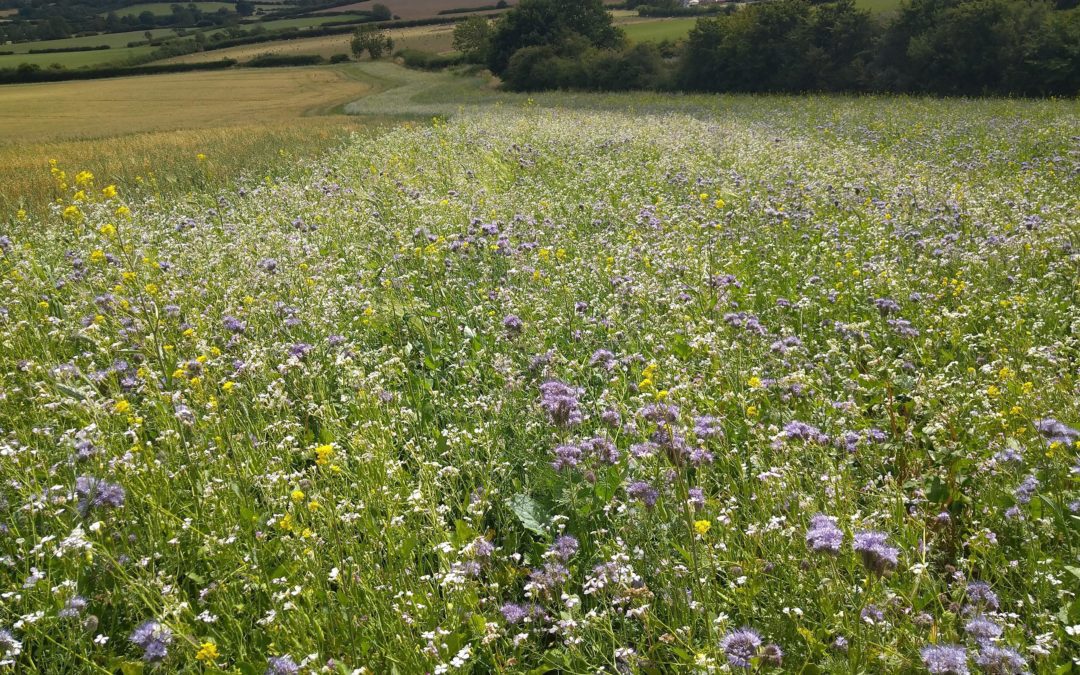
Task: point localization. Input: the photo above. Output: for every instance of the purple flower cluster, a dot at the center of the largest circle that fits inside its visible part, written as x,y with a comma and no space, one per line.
740,646
945,659
95,493
560,401
154,639
824,536
876,555
281,665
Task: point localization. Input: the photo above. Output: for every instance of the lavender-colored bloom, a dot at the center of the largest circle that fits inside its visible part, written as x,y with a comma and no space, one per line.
643,492
97,493
560,401
84,450
1026,490
611,417
281,665
154,639
700,456
74,608
747,322
945,659
872,615
1010,455
824,536
550,576
876,555
801,431
660,413
887,306
268,265
1000,661
980,594
603,449
603,358
300,350
643,450
1056,432
740,646
708,426
233,325
903,327
9,646
482,548
697,498
564,547
515,613
982,629
513,324
840,644
785,345
566,457
772,655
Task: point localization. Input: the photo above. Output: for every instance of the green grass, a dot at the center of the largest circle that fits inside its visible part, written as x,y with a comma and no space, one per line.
165,8
657,30
306,21
879,5
76,59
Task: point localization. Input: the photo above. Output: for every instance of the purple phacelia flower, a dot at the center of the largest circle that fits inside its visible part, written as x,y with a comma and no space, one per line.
708,426
154,639
560,401
643,492
513,324
800,431
660,413
602,358
740,646
1000,661
233,325
887,306
95,493
824,536
979,594
566,457
876,555
1026,490
1056,432
945,659
281,665
982,629
564,547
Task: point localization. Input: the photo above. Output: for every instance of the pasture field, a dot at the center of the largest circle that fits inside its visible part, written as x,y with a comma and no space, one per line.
561,383
134,128
657,30
879,5
438,39
76,59
164,8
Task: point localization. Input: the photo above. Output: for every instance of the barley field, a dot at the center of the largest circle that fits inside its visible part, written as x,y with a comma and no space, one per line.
561,384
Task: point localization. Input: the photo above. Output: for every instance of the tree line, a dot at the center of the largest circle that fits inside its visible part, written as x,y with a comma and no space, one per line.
945,47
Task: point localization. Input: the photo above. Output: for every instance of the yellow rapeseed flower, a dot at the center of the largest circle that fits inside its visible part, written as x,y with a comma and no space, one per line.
207,653
702,526
323,453
121,406
108,192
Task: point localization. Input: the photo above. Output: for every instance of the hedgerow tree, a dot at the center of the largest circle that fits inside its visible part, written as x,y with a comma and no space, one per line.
370,39
554,24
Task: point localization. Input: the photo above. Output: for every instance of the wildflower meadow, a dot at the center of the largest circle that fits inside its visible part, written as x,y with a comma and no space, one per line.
763,385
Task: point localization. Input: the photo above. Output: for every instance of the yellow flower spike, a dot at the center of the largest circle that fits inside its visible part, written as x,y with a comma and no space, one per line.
200,157
121,406
97,256
84,178
227,386
108,192
313,506
754,382
207,653
702,527
323,453
751,411
20,214
108,230
719,203
73,214
297,496
123,212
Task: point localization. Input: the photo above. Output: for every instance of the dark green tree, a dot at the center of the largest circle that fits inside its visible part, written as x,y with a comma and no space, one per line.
372,40
473,38
551,23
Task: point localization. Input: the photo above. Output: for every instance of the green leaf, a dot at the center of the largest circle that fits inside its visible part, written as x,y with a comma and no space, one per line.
530,513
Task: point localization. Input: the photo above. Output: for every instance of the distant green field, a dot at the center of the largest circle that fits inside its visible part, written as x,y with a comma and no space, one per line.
658,30
75,59
162,8
114,40
879,5
307,21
